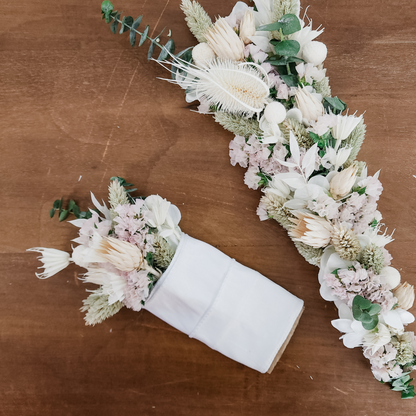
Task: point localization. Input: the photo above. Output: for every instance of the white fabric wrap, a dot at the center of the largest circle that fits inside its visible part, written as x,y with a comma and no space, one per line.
229,307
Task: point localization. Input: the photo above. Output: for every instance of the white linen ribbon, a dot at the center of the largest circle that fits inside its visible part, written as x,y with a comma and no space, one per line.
229,307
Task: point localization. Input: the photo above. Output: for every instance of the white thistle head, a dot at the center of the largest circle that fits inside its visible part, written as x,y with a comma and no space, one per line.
235,88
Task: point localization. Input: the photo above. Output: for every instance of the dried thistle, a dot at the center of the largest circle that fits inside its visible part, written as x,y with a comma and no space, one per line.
322,87
163,254
238,125
372,257
346,243
197,19
98,308
302,136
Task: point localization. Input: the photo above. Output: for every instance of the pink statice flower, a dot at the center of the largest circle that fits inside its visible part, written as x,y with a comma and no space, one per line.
251,177
356,280
325,206
373,186
323,124
204,105
136,289
238,155
132,225
383,363
256,54
262,211
92,225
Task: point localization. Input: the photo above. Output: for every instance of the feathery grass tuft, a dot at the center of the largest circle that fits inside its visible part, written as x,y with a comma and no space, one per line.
322,87
282,7
197,19
310,254
238,125
302,136
355,140
98,309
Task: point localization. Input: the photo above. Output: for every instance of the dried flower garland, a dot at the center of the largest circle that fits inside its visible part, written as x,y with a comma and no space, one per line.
260,72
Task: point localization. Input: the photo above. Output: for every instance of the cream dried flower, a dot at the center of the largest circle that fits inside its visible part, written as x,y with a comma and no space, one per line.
405,294
342,182
202,54
247,27
344,127
314,52
225,42
122,255
53,261
98,308
311,229
346,243
310,107
163,254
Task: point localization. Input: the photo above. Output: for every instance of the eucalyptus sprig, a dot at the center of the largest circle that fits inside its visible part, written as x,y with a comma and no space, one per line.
402,384
129,24
72,208
365,312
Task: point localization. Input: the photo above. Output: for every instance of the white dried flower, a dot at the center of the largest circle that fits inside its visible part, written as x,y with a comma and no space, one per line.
390,277
346,243
310,107
53,261
122,255
344,127
225,42
342,182
247,27
314,52
275,112
311,229
405,295
202,54
377,338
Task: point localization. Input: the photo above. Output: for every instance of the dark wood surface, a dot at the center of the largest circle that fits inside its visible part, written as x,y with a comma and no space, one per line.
79,105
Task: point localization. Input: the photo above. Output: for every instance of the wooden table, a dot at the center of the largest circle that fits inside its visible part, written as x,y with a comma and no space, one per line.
79,105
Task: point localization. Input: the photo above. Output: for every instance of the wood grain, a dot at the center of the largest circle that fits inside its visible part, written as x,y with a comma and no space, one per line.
78,106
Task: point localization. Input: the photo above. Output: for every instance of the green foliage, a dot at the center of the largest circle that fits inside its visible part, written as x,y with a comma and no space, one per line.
264,179
365,312
287,48
402,384
334,104
72,208
288,24
130,24
323,141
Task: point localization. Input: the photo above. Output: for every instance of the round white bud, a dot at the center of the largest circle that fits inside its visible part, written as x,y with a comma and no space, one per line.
275,112
390,277
202,54
314,52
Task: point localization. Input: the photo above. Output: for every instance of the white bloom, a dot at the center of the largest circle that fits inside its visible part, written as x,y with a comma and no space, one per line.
405,295
344,127
316,187
311,229
278,187
112,283
225,42
102,208
305,35
310,72
295,113
53,261
376,338
165,218
397,318
275,112
354,331
271,131
390,277
202,54
247,27
372,236
342,182
335,158
311,108
314,52
79,256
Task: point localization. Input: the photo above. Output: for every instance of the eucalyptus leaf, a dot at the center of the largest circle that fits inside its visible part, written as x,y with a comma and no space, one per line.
133,32
114,25
361,302
144,35
107,7
57,204
63,215
71,205
290,80
168,49
151,49
336,105
371,325
374,309
52,212
287,48
290,24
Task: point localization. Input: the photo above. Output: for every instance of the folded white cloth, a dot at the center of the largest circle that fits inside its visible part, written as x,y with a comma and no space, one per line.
229,307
